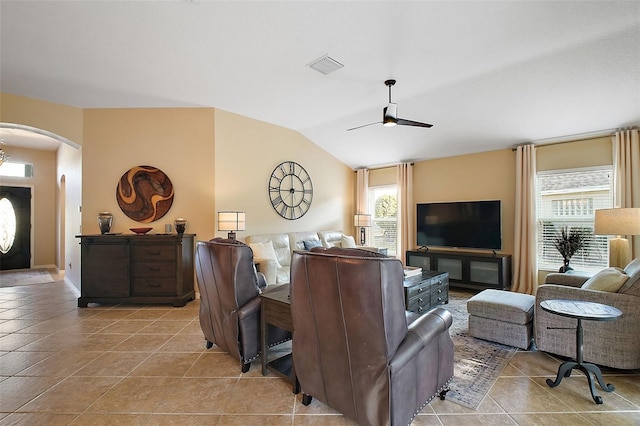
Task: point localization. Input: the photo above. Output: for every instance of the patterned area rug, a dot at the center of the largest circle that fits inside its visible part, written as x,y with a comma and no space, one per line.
478,363
35,276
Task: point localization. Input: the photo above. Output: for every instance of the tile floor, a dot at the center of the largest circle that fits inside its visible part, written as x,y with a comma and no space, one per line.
146,365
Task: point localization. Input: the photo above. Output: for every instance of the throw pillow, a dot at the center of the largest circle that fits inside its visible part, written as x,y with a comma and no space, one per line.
347,241
609,279
264,251
308,245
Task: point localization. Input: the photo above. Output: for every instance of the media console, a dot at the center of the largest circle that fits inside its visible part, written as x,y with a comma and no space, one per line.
468,269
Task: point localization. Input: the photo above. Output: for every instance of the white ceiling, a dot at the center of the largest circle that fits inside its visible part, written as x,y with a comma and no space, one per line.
487,74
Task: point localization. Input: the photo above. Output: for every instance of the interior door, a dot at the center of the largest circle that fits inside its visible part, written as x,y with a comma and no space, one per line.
15,227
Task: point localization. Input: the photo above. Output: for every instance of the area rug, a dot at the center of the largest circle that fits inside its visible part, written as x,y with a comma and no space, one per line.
35,276
478,363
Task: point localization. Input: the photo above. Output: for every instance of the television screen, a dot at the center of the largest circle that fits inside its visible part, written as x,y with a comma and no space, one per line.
466,224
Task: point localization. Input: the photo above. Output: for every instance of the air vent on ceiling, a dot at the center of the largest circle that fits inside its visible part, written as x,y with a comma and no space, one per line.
325,65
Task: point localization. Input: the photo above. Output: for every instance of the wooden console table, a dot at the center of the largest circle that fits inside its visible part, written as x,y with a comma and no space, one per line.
130,268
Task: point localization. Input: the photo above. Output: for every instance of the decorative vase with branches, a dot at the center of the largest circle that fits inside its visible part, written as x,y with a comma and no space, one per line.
570,241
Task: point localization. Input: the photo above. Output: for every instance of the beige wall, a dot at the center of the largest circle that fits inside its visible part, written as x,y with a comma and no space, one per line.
180,142
43,192
484,176
248,150
65,121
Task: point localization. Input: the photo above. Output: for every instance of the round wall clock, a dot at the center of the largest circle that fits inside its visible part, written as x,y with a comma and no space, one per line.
144,193
290,190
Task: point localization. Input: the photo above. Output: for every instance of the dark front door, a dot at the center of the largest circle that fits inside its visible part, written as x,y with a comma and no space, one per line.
15,227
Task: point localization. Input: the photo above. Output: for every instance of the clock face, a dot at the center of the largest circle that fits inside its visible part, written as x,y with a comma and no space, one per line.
290,190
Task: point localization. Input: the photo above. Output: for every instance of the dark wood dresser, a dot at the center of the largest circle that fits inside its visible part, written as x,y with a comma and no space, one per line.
426,291
137,269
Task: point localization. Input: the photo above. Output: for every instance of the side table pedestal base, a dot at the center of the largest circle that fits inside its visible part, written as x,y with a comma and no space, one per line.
565,371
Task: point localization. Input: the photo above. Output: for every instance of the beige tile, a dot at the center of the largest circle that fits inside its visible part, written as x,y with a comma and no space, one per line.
181,314
164,327
263,420
559,419
487,406
97,419
134,395
17,391
61,364
426,420
143,343
323,420
216,364
575,392
186,343
531,364
165,364
72,395
12,342
126,326
184,420
280,398
201,395
114,314
148,314
522,394
15,325
478,419
613,419
12,363
113,364
31,419
626,386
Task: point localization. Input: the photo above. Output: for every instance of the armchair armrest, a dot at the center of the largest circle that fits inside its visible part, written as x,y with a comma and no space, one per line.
572,280
421,332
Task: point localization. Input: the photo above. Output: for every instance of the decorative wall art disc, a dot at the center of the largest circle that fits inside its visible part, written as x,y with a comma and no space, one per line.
144,194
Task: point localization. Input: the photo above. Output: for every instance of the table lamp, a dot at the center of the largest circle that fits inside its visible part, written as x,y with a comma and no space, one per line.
618,222
231,221
362,221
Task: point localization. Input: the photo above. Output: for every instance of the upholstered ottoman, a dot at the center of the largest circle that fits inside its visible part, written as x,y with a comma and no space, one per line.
502,316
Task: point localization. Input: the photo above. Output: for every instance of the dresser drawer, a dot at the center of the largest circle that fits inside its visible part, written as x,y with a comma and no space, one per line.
418,305
154,286
154,269
440,296
157,252
417,290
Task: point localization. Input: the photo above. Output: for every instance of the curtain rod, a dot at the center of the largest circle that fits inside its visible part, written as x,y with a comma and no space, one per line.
380,167
569,138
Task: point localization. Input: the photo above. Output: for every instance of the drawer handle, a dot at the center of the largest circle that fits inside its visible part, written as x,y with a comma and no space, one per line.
420,290
154,285
154,269
439,290
420,309
154,253
419,299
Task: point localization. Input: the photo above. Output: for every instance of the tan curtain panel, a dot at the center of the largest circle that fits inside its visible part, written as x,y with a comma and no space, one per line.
626,175
406,210
525,270
362,191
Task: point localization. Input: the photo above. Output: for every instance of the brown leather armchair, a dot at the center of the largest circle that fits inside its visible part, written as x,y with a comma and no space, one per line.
352,347
229,299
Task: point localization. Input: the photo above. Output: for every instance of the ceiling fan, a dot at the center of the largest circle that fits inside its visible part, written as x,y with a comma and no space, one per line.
390,114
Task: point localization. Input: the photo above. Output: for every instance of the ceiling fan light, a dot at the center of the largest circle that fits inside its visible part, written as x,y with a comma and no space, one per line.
389,122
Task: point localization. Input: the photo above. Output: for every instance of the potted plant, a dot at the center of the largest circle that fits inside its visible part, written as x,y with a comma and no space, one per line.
570,241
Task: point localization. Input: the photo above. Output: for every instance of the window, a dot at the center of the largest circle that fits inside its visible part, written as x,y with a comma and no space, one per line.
383,206
21,170
569,198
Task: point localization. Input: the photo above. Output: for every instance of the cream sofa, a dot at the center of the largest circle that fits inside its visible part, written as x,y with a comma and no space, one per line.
277,270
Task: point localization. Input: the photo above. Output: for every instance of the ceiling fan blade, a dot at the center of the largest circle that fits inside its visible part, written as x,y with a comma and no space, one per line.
403,122
364,125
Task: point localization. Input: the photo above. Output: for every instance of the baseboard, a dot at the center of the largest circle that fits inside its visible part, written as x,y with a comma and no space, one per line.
72,287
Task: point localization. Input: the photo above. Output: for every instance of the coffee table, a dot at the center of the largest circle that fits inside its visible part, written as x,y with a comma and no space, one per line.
581,310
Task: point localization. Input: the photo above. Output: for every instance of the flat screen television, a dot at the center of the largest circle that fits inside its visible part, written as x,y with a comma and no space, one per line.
462,224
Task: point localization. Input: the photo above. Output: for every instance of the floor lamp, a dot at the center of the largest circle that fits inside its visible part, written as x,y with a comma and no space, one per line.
232,222
618,222
362,221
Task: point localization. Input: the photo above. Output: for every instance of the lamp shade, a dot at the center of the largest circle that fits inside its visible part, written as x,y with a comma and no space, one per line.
362,220
617,221
231,221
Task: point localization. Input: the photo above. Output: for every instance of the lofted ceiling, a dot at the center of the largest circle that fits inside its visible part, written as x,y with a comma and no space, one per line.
487,74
